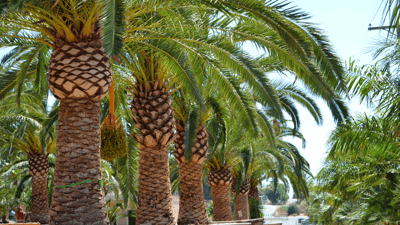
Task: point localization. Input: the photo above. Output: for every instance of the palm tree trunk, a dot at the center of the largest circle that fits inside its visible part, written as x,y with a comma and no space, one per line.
39,168
40,202
221,203
192,206
242,211
154,117
242,200
220,181
78,160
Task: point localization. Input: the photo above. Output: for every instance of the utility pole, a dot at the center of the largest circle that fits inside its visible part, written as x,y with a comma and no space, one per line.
385,28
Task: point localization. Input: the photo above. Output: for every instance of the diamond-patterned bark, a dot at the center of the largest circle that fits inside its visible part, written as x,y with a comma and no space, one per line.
242,211
220,177
242,201
79,70
192,209
221,197
154,117
254,193
78,159
200,148
38,164
39,168
220,182
244,188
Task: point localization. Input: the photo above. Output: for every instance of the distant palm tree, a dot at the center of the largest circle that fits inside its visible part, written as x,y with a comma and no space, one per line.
28,128
31,144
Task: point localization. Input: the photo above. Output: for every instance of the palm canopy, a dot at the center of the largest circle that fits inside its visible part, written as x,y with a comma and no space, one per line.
378,85
68,21
277,29
362,169
24,67
364,135
283,162
29,126
282,31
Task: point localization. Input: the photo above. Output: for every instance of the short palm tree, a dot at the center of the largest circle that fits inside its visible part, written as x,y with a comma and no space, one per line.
241,184
31,144
223,156
192,208
191,149
24,130
28,128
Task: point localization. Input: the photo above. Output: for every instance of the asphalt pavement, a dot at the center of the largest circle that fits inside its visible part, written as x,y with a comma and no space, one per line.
269,210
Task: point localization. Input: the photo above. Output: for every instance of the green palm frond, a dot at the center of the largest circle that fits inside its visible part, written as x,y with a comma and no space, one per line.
363,135
290,91
113,26
191,128
127,173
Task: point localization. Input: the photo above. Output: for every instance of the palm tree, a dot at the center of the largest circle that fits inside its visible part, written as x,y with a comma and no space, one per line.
220,161
241,188
192,208
31,144
28,128
79,76
145,36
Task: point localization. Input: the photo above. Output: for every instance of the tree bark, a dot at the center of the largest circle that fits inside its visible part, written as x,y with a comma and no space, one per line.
254,193
242,211
78,159
242,199
38,169
221,203
154,197
154,116
192,207
40,200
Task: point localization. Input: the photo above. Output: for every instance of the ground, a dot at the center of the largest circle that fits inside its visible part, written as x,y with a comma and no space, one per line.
269,219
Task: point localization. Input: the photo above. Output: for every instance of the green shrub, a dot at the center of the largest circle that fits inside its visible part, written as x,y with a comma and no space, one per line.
255,207
210,209
282,210
293,209
113,143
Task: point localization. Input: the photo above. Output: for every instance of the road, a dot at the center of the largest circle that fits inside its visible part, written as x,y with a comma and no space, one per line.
268,210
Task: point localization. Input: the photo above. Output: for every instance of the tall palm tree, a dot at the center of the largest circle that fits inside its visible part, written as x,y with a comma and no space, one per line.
79,76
